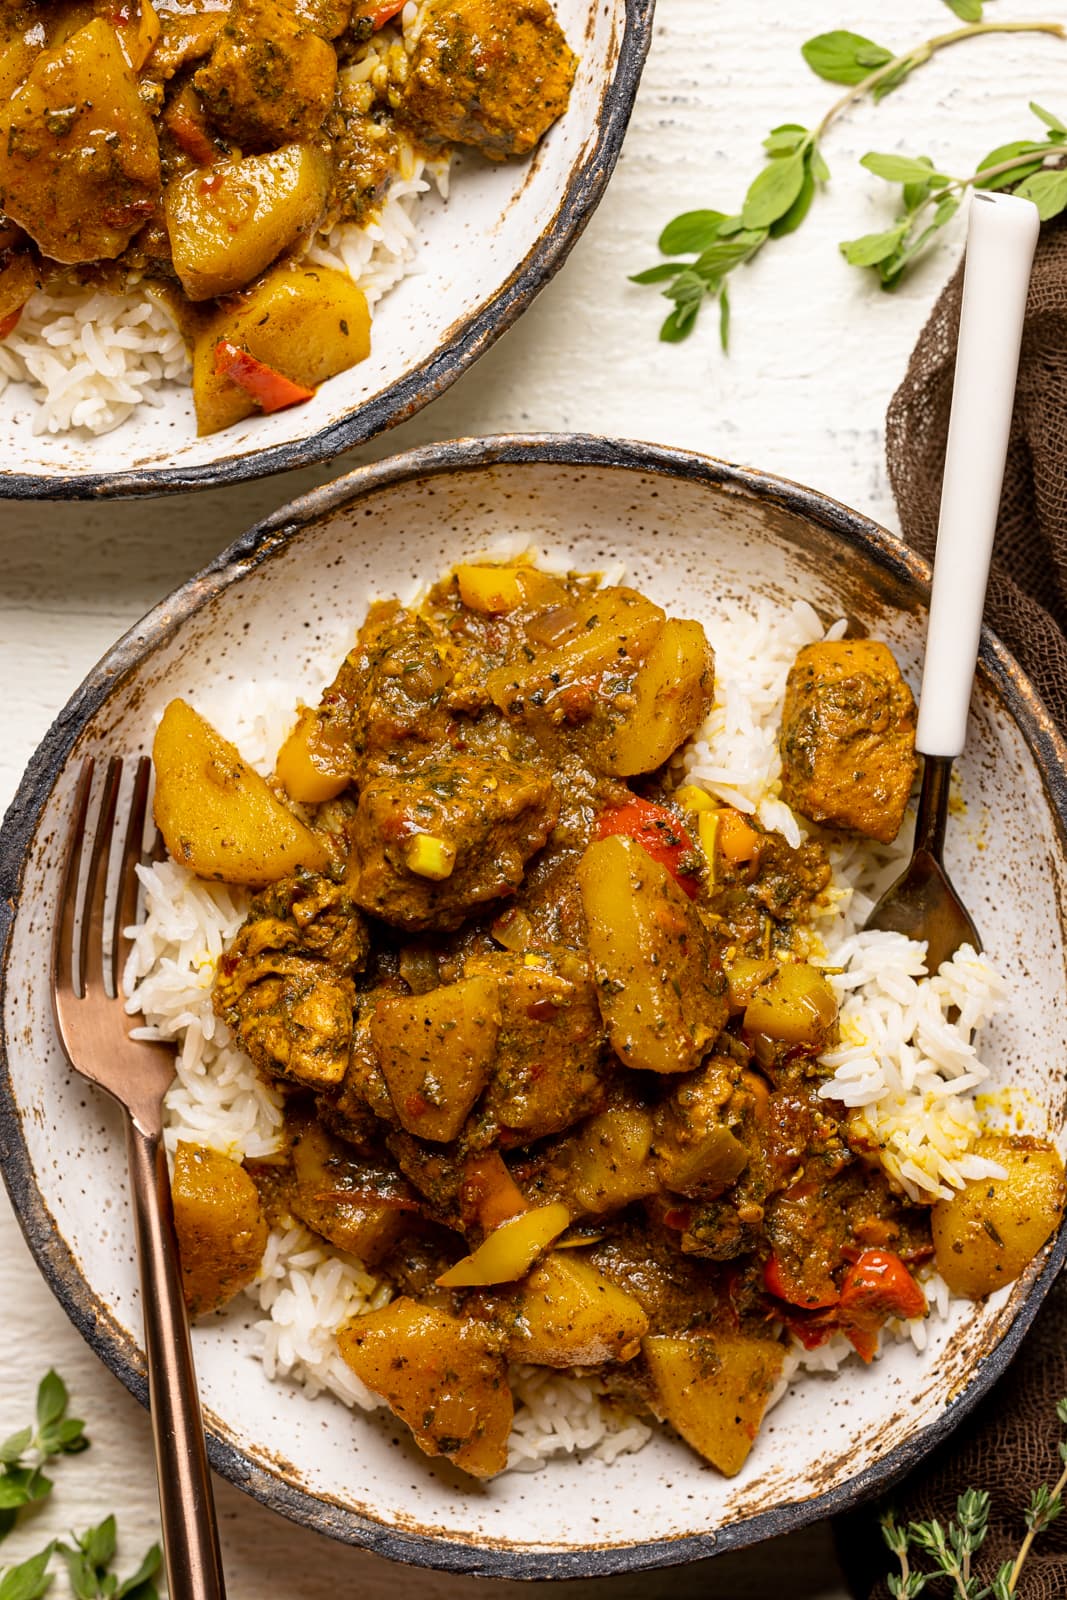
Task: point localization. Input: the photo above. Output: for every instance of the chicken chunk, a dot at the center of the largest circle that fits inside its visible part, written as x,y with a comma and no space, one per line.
480,820
848,737
491,73
285,987
271,79
548,1070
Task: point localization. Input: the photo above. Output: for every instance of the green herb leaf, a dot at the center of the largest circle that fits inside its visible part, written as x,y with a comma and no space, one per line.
678,325
784,140
844,57
660,274
799,209
1031,159
773,191
1048,118
1061,1411
726,254
140,1585
99,1542
691,232
966,10
28,1581
14,1445
901,169
724,319
1048,191
871,248
80,1572
1002,1582
819,170
729,227
19,1486
52,1399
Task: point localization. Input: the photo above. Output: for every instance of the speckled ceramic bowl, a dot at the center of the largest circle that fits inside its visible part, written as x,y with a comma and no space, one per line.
700,536
482,257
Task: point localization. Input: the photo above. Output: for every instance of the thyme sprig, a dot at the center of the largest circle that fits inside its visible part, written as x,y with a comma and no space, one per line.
780,196
952,1549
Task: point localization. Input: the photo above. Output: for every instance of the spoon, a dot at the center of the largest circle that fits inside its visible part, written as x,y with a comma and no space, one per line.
1001,238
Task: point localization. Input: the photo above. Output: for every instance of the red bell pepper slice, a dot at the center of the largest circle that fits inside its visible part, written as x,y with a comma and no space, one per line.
271,390
777,1281
877,1286
381,14
9,323
659,833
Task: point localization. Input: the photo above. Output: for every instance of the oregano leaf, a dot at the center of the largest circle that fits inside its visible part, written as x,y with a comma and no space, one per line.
690,233
844,57
773,191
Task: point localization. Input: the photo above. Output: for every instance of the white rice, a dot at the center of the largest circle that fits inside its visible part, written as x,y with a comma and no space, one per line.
91,358
905,1064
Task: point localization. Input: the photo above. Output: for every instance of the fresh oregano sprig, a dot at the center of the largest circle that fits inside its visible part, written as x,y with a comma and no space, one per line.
929,199
23,1454
780,196
88,1561
952,1549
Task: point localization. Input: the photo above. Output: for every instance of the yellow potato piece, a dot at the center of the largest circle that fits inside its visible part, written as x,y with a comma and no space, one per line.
660,989
435,1051
795,1006
570,1315
714,1391
509,1251
609,1160
311,766
440,1375
674,692
616,628
79,158
987,1234
490,589
220,1226
229,223
216,814
306,323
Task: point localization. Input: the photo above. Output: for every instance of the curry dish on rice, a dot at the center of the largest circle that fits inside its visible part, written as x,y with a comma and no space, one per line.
544,1021
194,149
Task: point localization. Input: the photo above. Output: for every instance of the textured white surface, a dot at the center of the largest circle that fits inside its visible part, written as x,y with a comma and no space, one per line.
817,351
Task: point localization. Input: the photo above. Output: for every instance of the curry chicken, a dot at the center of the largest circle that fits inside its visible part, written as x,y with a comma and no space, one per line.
194,148
541,1016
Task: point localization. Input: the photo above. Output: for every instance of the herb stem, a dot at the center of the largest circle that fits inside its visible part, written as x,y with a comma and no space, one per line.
922,52
1032,1533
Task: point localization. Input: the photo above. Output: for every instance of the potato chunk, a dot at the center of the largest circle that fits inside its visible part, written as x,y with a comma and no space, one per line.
613,631
440,1375
570,1315
660,986
795,1005
608,1159
79,159
674,691
848,737
221,1231
987,1234
227,226
216,814
715,1391
435,1051
308,324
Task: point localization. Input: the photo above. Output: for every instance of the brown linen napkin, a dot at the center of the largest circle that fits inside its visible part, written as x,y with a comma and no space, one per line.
1009,1445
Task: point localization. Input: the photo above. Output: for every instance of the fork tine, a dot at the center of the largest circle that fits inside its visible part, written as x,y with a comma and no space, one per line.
91,965
126,904
63,939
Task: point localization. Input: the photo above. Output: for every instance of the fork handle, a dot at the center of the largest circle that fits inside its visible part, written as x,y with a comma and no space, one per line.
1001,237
190,1532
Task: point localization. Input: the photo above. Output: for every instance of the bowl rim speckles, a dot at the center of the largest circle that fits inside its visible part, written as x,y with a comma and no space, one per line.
881,555
467,339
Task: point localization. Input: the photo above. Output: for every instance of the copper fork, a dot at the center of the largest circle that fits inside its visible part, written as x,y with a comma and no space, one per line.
95,1031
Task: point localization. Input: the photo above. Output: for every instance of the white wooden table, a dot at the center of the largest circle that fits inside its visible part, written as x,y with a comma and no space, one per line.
817,351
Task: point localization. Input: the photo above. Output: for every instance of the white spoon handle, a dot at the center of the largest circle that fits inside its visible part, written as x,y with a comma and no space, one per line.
1001,239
